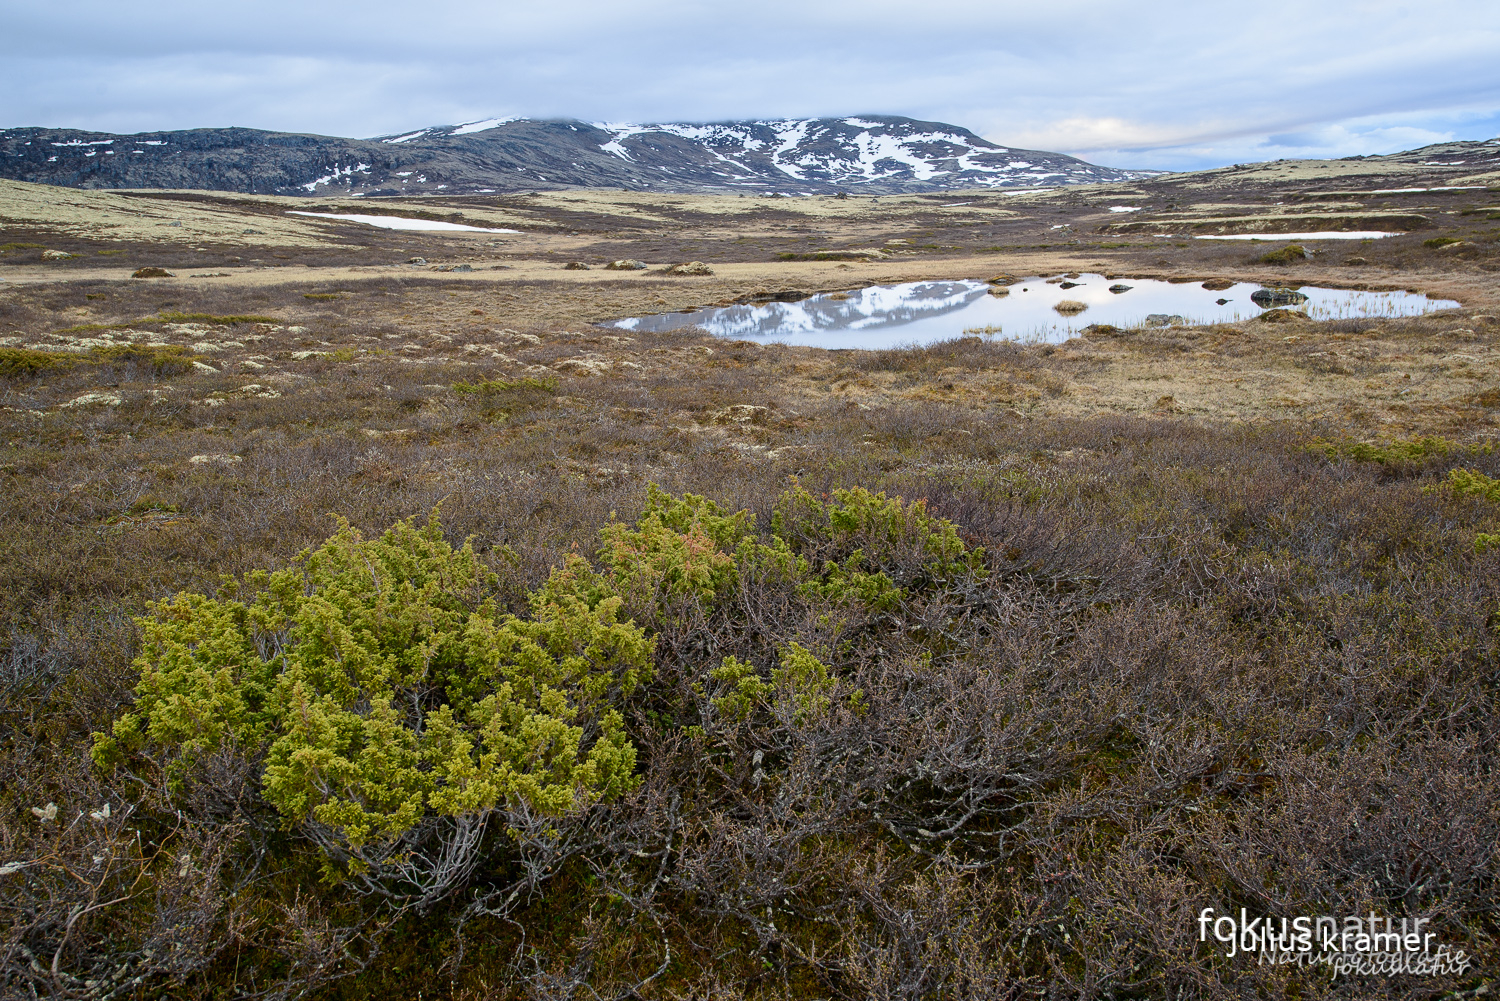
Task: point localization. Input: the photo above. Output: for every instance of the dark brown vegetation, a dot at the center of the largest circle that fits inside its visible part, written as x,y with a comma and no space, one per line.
1223,666
1207,660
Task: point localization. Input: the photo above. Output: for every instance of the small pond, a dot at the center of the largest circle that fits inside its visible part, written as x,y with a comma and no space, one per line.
884,316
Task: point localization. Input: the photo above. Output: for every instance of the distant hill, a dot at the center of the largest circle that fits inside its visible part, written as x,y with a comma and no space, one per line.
1482,154
875,154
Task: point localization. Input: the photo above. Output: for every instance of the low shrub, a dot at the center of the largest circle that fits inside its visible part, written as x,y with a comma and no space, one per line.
507,397
1390,453
384,695
214,318
1290,254
24,363
159,361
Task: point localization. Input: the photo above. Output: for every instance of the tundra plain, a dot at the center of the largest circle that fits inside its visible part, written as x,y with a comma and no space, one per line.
1224,634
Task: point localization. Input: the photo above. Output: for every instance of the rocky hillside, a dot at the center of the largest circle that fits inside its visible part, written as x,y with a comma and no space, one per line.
871,155
1479,155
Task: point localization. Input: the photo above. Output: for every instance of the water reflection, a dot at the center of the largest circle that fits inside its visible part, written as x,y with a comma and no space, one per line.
923,312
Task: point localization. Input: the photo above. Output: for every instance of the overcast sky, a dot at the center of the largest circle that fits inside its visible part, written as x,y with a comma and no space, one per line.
1171,84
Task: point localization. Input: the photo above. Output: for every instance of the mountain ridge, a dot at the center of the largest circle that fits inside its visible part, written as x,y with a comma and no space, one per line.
869,154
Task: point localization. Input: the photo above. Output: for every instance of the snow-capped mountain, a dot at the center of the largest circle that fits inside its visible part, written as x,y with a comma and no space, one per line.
881,152
871,154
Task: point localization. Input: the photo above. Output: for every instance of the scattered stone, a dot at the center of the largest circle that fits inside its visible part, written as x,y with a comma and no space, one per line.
1221,302
57,255
1265,298
95,399
689,268
1070,284
409,260
1117,289
153,273
1069,307
1165,320
215,458
462,267
1356,261
629,264
575,266
1218,284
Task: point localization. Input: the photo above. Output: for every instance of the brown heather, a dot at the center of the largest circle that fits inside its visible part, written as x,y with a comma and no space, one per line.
1233,646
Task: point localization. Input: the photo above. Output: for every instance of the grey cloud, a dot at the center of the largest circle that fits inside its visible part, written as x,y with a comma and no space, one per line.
1176,81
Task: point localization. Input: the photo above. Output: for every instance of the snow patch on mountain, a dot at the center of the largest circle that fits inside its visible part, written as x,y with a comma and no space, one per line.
854,150
338,172
483,126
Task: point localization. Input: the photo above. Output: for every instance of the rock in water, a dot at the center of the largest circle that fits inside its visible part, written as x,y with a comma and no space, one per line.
1265,298
1070,284
998,279
1218,284
1117,289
